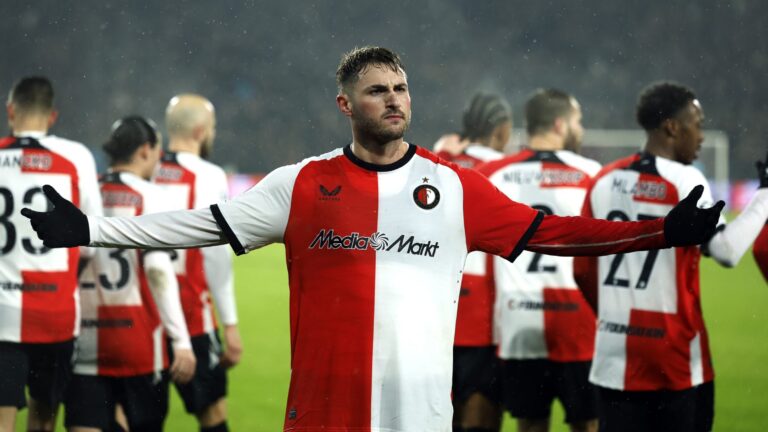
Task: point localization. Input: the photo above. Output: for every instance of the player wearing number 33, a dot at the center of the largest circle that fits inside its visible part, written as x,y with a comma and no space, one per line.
38,297
375,268
652,363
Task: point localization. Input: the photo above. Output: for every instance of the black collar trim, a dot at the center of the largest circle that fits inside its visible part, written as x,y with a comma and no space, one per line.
380,168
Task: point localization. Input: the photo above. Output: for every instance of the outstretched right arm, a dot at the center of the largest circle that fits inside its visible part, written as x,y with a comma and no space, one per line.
67,226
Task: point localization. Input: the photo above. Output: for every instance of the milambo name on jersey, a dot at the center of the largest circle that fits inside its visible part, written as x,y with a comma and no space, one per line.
327,239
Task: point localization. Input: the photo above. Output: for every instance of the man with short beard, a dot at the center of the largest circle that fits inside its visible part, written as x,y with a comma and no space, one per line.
375,234
545,328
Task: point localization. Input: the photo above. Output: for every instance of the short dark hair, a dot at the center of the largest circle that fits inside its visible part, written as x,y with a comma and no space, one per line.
483,114
32,94
662,101
128,134
358,60
545,106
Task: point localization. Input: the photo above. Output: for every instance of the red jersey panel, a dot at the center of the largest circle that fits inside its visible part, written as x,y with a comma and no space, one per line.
474,321
121,330
375,256
539,311
38,298
651,333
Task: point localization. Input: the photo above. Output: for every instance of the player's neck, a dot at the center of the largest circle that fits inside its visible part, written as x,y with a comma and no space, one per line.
379,154
184,145
658,146
545,142
30,124
129,168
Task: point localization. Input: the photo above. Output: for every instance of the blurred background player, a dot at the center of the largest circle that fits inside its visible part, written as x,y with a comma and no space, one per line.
38,298
487,125
191,123
128,296
544,327
652,363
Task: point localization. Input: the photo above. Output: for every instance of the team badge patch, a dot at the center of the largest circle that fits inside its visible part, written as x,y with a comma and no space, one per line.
426,196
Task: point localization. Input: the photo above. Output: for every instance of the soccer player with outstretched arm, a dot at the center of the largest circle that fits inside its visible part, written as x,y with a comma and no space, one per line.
376,234
652,363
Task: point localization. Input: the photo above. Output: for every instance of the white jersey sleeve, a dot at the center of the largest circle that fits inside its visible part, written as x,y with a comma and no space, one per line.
259,216
169,230
731,241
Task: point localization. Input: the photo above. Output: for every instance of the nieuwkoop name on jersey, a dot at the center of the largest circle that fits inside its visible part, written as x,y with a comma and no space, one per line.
327,239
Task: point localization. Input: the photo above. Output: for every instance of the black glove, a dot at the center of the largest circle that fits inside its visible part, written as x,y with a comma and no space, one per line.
688,225
762,172
64,226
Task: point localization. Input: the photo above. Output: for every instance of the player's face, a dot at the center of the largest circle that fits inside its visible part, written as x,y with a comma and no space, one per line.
689,135
575,131
380,104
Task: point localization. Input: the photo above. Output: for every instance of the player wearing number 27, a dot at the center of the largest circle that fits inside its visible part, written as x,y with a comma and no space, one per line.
652,363
38,295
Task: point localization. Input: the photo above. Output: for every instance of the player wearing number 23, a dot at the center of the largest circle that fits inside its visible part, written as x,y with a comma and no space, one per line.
652,362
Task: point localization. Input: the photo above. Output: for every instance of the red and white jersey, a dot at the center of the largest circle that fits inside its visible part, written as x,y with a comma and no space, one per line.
651,333
539,311
121,332
198,183
474,321
375,257
760,251
38,296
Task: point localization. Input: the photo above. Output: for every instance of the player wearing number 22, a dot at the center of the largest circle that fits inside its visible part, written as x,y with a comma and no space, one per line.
38,296
652,362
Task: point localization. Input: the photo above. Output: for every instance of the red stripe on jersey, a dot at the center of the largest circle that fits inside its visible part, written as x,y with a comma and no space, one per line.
569,325
657,352
193,287
488,168
332,343
6,141
654,189
125,336
556,175
474,319
49,316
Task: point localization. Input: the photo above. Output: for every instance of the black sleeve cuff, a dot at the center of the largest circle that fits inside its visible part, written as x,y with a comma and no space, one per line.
526,237
228,233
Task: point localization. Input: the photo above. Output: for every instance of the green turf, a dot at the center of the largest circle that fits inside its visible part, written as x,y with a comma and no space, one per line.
734,301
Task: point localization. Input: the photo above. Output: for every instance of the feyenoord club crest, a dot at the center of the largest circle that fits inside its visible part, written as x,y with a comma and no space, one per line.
426,196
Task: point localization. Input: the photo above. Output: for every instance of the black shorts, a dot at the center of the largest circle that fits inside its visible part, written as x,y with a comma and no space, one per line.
46,368
476,370
210,381
90,401
530,386
691,410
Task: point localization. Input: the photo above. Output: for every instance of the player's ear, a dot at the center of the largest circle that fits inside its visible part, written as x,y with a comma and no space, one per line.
52,117
344,103
671,127
10,111
559,126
